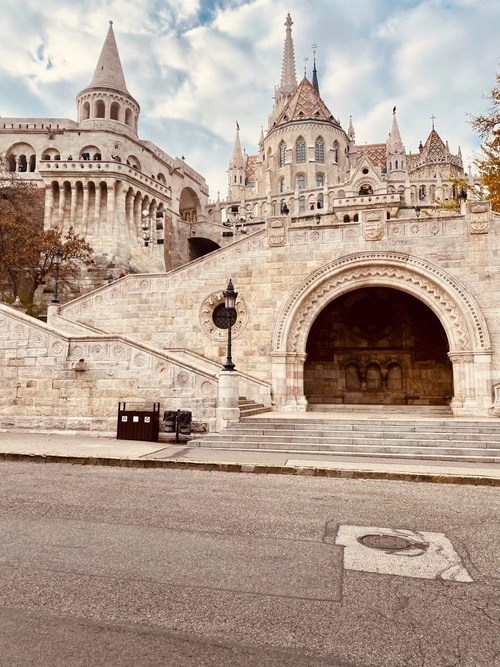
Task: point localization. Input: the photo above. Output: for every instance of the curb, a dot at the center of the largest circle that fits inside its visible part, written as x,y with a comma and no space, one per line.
260,469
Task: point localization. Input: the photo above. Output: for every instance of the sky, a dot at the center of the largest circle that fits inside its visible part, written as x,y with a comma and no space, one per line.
197,67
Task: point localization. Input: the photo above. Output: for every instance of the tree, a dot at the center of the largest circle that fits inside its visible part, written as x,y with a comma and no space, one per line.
26,248
488,127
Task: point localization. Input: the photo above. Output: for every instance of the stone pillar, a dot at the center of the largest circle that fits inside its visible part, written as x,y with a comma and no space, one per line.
111,204
227,404
482,375
49,207
472,383
62,205
288,381
52,312
72,214
85,208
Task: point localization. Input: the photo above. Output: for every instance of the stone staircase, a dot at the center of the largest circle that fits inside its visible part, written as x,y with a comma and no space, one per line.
249,408
431,435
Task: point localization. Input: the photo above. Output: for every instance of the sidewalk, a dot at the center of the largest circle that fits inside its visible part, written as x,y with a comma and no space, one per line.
105,449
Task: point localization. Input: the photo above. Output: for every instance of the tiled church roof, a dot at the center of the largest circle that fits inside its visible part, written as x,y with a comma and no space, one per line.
305,104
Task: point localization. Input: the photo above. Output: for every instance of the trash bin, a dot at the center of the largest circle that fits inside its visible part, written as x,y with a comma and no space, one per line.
138,424
169,420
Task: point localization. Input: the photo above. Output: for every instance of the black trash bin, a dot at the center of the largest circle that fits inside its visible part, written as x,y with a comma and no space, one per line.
140,424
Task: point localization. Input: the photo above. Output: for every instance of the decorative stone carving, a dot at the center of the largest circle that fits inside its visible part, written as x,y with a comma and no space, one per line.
373,226
458,311
207,324
479,217
276,231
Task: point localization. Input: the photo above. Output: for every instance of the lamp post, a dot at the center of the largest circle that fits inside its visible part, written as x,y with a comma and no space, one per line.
57,259
417,211
230,303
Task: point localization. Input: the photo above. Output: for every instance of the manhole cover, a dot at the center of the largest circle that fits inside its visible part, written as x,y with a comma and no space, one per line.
389,542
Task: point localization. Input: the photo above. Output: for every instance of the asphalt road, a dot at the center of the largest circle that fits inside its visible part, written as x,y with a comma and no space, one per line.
132,567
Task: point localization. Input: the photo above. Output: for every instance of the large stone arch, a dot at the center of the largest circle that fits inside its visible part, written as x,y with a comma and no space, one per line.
455,307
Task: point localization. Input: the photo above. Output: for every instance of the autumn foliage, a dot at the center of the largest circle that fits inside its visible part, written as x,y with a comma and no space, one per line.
26,248
488,127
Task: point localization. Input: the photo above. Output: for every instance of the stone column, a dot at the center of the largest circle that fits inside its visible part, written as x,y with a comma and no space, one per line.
85,208
227,404
72,214
49,207
62,205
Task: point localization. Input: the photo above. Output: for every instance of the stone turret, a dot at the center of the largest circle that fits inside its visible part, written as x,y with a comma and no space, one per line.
396,154
237,169
107,97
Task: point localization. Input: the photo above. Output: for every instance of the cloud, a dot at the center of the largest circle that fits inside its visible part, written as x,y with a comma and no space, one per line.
197,66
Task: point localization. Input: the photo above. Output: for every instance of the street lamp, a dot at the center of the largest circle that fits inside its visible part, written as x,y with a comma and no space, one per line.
230,303
57,259
417,211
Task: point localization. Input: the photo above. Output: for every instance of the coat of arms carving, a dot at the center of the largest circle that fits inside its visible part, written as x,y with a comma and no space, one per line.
276,231
373,227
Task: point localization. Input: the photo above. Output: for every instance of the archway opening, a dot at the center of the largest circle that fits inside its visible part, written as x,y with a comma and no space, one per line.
199,246
377,345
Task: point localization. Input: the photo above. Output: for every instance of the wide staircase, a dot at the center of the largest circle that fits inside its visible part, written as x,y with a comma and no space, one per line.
403,432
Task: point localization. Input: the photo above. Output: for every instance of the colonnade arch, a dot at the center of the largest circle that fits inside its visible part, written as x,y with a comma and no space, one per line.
456,309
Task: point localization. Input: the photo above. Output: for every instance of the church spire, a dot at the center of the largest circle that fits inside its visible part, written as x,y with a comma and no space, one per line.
315,72
288,77
237,159
108,72
288,83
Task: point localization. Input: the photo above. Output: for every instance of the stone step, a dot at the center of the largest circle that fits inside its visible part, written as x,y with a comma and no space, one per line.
248,407
392,436
310,440
422,453
492,426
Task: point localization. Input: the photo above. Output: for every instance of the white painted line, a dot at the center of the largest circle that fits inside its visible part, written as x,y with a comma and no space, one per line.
438,561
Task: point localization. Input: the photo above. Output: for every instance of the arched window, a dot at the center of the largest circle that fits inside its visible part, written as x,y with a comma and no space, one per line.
355,217
320,201
86,111
365,190
100,109
32,164
22,163
302,204
347,218
12,163
300,150
301,182
422,192
319,150
282,152
114,111
336,152
128,117
320,181
282,184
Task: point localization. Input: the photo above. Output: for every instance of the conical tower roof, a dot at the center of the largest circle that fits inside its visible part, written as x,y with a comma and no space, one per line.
394,142
108,72
305,104
288,77
435,147
237,159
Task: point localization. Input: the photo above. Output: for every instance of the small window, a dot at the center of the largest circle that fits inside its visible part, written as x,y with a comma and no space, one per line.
347,218
320,181
282,153
301,182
